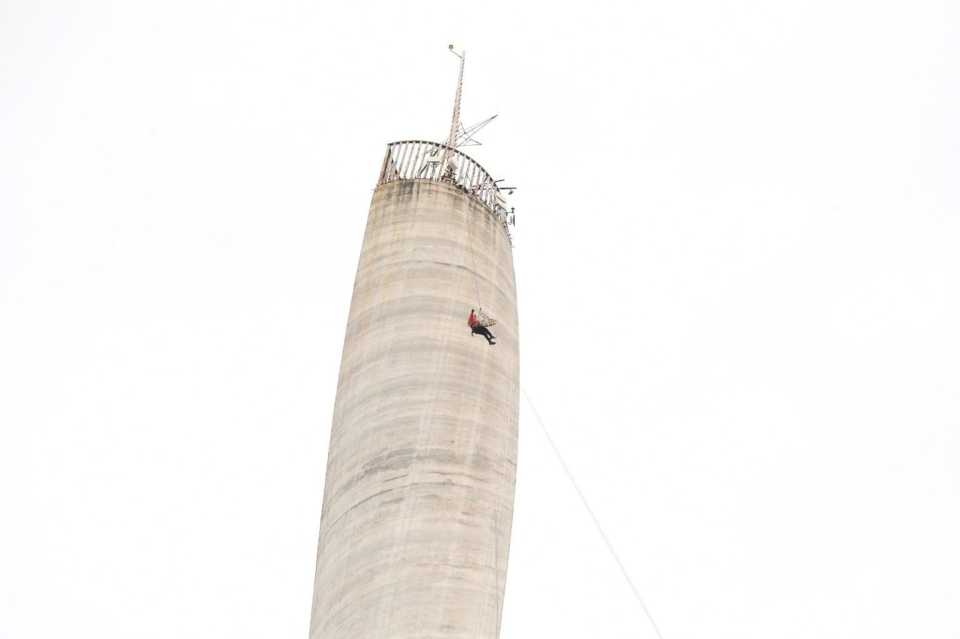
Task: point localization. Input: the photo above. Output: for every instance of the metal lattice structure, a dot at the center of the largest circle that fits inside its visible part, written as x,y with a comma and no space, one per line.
435,162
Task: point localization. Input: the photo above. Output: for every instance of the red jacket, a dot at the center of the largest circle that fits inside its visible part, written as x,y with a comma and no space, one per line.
472,320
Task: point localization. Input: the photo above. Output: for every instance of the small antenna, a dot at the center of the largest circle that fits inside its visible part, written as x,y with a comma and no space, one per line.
465,136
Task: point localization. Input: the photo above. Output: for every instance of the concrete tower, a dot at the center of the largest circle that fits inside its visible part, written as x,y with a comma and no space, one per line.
418,500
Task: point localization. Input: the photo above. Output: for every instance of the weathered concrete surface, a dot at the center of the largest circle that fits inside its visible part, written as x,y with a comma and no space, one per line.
418,500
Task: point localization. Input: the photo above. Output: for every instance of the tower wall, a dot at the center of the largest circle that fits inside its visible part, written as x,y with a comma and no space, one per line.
418,500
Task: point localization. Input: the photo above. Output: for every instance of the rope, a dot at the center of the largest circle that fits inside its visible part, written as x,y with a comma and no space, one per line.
593,516
496,556
473,262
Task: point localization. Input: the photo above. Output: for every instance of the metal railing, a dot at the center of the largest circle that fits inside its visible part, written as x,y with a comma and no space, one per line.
423,160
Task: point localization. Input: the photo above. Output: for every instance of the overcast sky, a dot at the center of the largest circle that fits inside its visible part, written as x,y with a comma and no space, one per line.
738,261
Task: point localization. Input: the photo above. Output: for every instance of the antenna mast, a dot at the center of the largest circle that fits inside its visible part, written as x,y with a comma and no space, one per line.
455,120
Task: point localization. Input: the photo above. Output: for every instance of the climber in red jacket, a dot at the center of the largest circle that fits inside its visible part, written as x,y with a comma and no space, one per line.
477,328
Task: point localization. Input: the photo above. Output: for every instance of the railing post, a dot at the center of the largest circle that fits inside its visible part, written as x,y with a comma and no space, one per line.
383,167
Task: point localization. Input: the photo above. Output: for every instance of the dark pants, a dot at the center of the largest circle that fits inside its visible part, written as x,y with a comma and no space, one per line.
483,330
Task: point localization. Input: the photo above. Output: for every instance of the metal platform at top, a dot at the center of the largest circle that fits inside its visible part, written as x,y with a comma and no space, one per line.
435,162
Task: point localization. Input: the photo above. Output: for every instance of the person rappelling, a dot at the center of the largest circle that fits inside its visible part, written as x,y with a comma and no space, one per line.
478,326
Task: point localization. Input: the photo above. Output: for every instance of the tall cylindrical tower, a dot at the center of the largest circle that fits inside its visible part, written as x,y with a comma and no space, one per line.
418,500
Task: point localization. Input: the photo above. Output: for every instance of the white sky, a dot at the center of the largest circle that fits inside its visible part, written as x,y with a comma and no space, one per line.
738,266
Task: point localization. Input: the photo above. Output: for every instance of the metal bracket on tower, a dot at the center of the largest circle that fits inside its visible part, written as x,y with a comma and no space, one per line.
465,136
